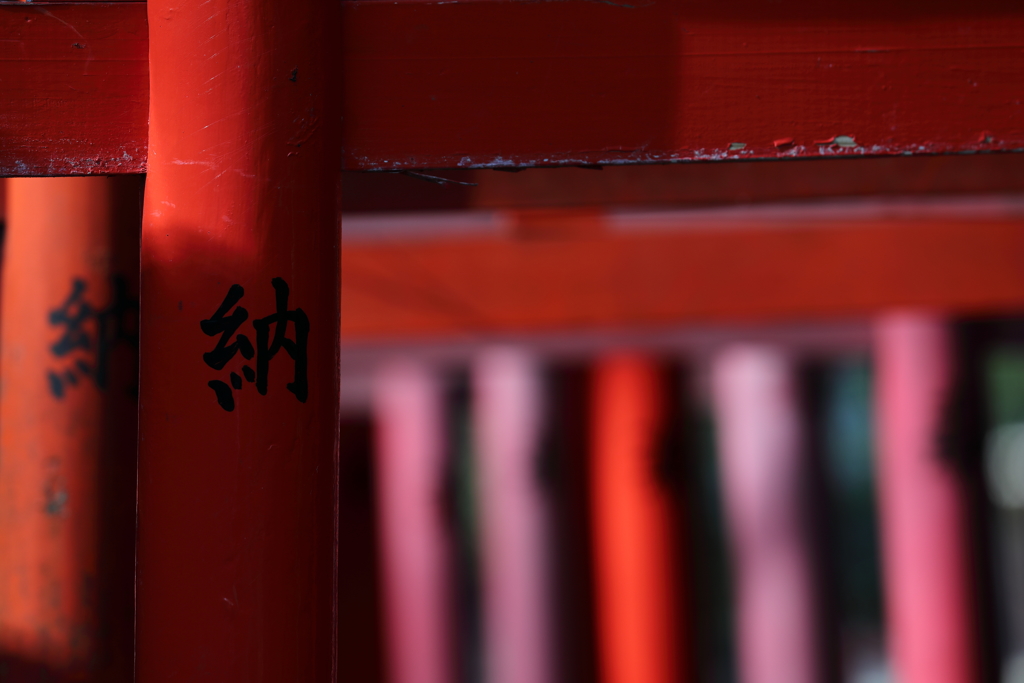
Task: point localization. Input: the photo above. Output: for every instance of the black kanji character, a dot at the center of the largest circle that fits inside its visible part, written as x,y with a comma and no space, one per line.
111,328
226,326
296,348
73,314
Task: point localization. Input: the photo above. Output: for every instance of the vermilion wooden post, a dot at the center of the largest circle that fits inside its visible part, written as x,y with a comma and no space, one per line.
763,471
68,428
922,501
636,574
239,397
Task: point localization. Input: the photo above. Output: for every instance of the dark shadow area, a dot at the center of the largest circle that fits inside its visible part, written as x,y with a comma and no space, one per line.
686,184
360,626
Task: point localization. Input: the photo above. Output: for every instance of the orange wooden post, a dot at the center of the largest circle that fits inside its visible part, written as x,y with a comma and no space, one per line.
68,428
638,632
239,413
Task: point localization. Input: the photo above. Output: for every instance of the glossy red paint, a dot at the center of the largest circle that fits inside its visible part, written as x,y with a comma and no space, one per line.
684,267
75,88
237,555
67,429
504,83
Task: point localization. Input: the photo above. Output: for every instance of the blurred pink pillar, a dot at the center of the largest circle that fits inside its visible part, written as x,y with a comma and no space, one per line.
409,414
761,460
507,412
922,505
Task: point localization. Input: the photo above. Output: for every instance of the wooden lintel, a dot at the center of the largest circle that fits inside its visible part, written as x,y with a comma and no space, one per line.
506,83
594,272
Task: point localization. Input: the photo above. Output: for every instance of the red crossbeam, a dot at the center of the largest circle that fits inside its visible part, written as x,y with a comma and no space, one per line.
75,84
510,83
572,270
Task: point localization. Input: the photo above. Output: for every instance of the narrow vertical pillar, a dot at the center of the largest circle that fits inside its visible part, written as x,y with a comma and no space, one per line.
239,412
635,569
922,505
507,411
69,367
415,542
761,452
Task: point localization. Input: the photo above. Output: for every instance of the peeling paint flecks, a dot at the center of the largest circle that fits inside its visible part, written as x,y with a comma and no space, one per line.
838,141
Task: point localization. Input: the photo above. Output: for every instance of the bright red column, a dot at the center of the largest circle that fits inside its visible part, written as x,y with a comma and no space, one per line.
762,461
69,365
923,507
239,409
415,546
636,572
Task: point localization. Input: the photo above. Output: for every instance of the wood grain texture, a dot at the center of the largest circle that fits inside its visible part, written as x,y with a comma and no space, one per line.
534,279
506,83
75,85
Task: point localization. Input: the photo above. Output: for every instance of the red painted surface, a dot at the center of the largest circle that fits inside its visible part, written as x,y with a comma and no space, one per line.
68,429
509,83
75,88
238,508
922,505
682,268
635,565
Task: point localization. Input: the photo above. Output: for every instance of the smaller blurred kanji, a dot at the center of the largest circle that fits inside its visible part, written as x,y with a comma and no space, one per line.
267,346
89,334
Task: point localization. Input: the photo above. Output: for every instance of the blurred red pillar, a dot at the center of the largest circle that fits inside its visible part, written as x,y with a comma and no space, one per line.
636,567
763,472
923,507
68,428
408,402
239,412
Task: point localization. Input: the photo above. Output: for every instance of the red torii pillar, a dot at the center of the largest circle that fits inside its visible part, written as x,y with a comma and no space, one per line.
415,547
69,367
637,570
239,413
923,505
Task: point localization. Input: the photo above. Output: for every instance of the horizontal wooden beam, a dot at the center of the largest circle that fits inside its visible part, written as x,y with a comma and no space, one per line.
75,84
566,270
507,83
687,184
